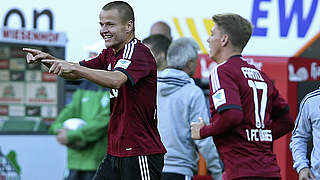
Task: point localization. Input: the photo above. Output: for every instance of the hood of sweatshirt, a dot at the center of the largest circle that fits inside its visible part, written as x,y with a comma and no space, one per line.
171,80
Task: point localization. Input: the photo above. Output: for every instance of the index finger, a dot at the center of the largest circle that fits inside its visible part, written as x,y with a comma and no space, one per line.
48,60
32,51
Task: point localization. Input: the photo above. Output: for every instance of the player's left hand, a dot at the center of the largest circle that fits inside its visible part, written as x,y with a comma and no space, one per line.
195,128
62,136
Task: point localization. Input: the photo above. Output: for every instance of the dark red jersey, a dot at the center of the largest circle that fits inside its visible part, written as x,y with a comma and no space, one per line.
245,148
133,124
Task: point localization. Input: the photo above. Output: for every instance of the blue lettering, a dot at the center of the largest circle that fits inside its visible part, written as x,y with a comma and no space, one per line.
256,14
297,8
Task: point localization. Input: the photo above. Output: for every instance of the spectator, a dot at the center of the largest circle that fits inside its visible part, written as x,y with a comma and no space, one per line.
247,112
128,68
161,27
86,144
180,102
158,44
306,128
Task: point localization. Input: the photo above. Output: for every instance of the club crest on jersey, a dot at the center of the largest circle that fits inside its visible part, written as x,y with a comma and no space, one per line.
123,63
219,98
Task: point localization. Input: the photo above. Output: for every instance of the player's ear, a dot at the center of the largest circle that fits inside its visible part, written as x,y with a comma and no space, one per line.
163,56
129,26
224,40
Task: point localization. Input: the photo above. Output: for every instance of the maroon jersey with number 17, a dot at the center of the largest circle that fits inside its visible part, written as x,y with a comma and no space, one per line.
245,148
133,124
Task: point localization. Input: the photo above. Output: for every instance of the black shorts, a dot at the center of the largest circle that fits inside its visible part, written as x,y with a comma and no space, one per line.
130,168
174,176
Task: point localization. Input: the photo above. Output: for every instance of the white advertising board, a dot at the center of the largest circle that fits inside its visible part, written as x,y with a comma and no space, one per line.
39,156
281,27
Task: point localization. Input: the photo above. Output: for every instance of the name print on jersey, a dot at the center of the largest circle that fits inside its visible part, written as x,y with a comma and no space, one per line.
256,83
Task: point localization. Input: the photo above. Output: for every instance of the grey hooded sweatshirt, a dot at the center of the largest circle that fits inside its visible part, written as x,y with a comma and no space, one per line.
180,102
307,125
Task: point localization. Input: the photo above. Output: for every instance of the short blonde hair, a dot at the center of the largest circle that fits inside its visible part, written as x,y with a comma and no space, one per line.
238,28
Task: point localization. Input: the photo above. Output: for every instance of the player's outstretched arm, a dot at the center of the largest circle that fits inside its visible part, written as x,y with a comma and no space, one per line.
109,79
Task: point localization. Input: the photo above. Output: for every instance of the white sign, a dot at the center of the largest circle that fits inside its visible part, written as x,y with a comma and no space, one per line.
12,92
33,37
40,157
41,93
281,27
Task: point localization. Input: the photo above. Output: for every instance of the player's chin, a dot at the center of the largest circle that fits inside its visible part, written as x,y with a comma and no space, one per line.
108,43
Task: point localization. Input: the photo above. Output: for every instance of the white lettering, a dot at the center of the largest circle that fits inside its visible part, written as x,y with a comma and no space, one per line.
315,71
254,133
259,135
250,73
302,73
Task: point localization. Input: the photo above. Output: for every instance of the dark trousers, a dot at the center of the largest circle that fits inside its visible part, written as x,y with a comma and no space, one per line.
130,168
174,176
80,175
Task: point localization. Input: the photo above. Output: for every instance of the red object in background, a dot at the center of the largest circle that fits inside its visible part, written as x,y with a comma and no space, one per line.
204,66
48,77
4,110
287,73
4,64
202,178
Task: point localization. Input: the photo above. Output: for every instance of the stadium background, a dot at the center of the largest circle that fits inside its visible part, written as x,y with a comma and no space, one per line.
286,32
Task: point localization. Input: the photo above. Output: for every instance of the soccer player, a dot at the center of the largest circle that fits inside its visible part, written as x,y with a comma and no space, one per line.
158,45
128,68
306,128
247,112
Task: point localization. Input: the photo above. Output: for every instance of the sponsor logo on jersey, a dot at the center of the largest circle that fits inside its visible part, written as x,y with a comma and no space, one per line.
123,63
219,98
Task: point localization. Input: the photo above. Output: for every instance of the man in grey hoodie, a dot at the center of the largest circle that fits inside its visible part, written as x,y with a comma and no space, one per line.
180,102
307,126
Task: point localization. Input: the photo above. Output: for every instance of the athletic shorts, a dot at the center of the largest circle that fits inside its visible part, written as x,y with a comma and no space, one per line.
147,167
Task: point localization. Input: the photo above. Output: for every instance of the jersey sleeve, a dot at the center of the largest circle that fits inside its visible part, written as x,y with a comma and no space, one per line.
98,62
279,105
136,63
224,91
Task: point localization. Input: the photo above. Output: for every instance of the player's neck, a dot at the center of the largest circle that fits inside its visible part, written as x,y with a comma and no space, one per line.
126,41
225,55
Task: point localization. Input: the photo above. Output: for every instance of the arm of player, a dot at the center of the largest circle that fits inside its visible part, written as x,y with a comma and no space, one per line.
109,79
195,128
69,70
222,123
282,125
282,121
